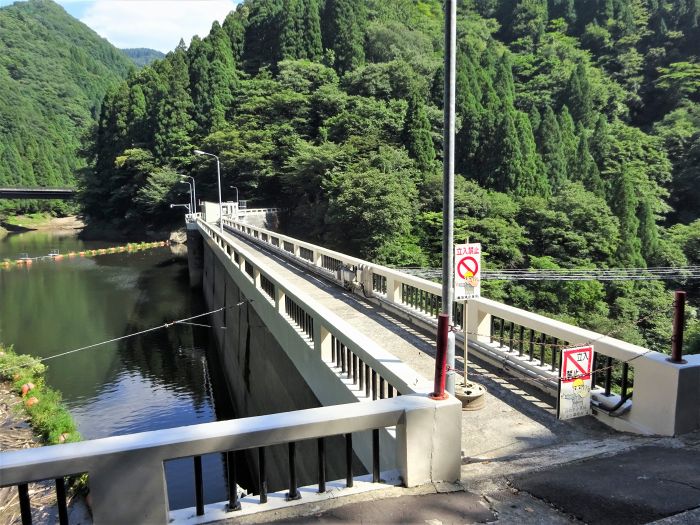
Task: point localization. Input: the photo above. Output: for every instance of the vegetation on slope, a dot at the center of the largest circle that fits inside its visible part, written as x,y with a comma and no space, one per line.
54,72
142,56
48,416
577,142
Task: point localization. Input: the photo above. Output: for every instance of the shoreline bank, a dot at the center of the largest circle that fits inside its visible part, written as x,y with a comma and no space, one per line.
41,222
31,415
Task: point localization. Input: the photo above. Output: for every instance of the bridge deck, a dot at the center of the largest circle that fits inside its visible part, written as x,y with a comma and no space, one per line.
517,417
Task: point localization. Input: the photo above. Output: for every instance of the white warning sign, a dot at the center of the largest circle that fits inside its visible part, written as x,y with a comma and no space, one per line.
467,271
575,383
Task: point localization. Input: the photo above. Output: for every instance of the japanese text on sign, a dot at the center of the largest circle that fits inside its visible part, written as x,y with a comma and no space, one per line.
575,383
467,271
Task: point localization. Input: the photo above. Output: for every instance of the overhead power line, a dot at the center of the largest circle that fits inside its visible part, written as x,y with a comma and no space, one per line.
576,274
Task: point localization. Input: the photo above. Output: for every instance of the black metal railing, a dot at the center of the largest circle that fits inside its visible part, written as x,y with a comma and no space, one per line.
360,373
425,302
306,254
249,268
288,247
61,502
268,286
379,283
330,263
612,375
300,317
275,241
293,492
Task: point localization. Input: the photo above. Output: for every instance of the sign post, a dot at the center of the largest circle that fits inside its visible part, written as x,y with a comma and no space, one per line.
575,382
467,279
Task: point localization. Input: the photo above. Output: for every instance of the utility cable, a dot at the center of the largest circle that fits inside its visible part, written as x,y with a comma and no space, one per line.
121,338
576,274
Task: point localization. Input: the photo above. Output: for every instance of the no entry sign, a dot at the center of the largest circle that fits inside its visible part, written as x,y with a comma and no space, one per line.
467,271
575,382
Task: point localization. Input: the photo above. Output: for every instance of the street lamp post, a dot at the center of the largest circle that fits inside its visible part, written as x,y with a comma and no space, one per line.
189,191
218,178
186,206
194,192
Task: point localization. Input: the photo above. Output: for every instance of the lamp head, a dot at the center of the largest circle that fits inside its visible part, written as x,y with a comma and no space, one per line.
199,152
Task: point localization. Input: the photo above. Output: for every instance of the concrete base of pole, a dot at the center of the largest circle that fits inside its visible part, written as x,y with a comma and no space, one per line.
472,396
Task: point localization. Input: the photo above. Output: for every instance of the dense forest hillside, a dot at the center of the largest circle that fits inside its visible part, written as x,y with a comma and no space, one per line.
54,72
142,56
578,138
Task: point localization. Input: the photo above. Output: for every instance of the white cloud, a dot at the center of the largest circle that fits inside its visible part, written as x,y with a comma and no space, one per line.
157,24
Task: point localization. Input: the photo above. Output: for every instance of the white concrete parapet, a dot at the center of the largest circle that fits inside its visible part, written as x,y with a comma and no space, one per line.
326,324
126,473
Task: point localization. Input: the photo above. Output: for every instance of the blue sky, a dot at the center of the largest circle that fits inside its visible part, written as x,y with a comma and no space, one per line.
158,24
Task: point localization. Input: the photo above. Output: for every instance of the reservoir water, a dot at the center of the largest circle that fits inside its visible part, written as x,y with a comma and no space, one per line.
163,379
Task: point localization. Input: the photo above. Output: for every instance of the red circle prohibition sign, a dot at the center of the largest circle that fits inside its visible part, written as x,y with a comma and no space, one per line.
467,267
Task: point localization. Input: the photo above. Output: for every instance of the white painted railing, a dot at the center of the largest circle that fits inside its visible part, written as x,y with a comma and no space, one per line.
126,473
257,211
332,339
658,406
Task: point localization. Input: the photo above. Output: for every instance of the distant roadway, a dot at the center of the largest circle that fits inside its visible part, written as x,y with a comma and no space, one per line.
37,193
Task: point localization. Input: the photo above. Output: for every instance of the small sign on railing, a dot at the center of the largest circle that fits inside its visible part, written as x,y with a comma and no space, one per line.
575,383
467,271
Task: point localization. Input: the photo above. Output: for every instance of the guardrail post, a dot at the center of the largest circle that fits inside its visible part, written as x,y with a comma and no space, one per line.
366,277
393,290
322,341
478,323
256,277
428,441
129,488
279,300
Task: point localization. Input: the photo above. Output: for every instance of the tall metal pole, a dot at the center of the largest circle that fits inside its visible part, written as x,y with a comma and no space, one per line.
448,183
445,354
221,209
194,194
190,191
218,178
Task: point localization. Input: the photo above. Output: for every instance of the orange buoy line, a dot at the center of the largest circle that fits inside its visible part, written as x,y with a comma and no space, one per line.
7,264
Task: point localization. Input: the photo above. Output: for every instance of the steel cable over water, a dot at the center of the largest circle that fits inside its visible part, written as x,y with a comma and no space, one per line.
127,336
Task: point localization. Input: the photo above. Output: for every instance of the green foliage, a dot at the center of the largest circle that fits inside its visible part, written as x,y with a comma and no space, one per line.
343,32
370,209
577,136
49,417
417,134
54,72
142,56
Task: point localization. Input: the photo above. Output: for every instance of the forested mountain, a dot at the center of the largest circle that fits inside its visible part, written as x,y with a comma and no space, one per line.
142,56
578,138
54,72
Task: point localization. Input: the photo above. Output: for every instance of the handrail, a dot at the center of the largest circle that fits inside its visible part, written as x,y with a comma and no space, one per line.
130,468
398,374
35,464
610,346
414,299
